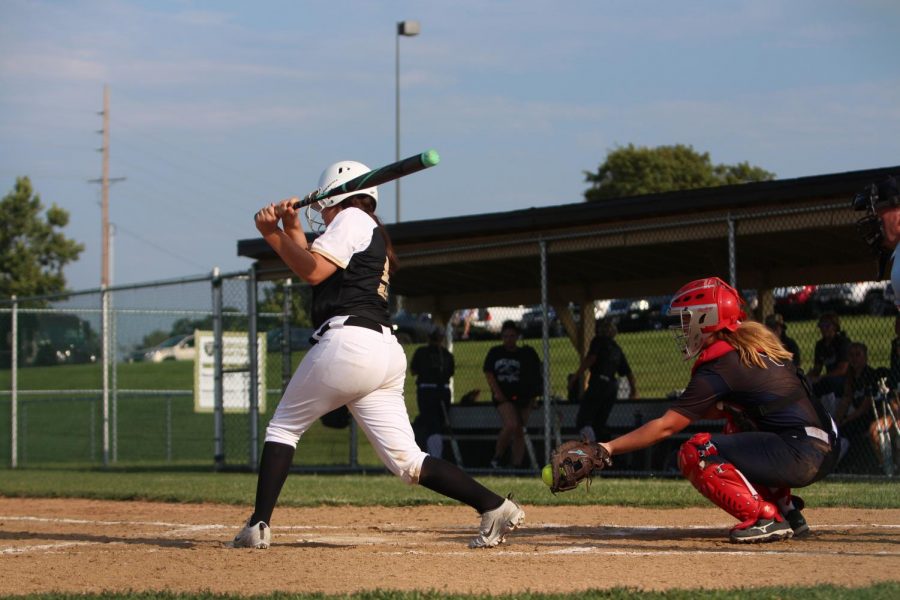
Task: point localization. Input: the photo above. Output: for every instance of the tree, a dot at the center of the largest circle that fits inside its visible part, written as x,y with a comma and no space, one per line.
33,250
301,299
634,170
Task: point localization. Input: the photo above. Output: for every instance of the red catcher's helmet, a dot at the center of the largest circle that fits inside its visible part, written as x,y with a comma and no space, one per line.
704,306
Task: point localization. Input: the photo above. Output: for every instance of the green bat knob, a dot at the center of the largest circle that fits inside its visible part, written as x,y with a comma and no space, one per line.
430,158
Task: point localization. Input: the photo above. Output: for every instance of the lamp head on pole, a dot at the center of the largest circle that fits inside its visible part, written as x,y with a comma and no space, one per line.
408,28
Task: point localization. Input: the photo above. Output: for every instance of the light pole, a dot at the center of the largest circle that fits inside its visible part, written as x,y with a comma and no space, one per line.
409,29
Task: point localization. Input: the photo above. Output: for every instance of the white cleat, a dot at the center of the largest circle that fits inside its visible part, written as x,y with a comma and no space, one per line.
497,523
253,536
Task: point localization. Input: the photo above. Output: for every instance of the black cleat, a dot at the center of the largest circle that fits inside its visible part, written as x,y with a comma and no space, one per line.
764,530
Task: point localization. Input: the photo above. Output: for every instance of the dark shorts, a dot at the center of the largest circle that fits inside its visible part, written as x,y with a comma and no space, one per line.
776,460
431,415
519,403
596,405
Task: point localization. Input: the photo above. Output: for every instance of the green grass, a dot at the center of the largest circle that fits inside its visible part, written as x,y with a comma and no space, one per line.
877,591
386,490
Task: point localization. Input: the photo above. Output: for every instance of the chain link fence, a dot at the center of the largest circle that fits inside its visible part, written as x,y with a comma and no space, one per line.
184,388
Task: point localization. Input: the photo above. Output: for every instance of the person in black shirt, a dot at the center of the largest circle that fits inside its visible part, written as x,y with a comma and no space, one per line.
513,373
356,361
776,323
604,360
830,360
778,436
433,366
854,415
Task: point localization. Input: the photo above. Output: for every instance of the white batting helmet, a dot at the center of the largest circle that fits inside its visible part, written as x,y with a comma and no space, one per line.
340,173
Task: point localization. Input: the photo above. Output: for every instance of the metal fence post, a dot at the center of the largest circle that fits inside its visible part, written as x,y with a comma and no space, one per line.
286,341
545,336
168,427
14,381
92,429
253,365
732,253
114,408
218,393
104,352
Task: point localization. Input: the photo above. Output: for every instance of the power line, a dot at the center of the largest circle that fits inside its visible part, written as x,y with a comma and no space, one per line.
162,249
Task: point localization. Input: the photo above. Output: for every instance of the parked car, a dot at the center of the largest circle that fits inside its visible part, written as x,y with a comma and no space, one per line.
794,301
178,347
838,297
411,328
299,339
485,323
65,353
641,314
532,323
879,299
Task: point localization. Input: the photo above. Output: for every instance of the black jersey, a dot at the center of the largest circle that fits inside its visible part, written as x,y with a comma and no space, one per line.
360,284
725,379
830,353
433,365
610,360
518,372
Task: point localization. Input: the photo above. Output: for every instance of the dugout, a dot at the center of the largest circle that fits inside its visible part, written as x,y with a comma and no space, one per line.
764,235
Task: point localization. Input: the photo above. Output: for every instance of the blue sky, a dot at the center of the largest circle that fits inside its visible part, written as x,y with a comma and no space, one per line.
218,107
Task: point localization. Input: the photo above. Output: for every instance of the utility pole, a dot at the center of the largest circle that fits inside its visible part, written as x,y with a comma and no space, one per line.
105,300
104,182
104,186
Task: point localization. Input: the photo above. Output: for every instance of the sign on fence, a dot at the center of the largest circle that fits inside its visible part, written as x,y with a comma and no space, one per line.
235,375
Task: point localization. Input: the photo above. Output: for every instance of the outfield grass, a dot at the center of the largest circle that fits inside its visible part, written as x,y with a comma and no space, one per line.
386,490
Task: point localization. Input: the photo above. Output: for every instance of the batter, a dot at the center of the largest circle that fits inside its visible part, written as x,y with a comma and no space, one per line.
356,361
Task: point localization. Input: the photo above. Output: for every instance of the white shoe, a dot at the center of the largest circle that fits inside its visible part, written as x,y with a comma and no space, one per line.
255,536
497,523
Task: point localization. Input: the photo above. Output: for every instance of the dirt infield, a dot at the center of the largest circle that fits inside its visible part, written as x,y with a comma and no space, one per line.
93,546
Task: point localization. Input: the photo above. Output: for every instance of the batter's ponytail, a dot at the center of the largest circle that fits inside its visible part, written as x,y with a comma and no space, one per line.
367,205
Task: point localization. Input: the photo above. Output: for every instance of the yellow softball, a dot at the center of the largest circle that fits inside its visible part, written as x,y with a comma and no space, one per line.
547,475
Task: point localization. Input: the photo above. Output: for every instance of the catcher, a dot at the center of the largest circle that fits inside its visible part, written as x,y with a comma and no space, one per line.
777,436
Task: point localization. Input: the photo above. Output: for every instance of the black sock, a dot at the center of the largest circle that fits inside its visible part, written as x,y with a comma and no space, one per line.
273,470
449,480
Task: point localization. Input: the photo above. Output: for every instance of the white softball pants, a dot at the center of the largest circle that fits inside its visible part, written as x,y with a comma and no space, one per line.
365,370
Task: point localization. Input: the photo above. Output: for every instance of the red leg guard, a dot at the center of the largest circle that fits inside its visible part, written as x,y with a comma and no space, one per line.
722,483
782,498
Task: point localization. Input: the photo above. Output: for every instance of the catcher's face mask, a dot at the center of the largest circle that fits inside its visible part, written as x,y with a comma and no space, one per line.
686,329
702,307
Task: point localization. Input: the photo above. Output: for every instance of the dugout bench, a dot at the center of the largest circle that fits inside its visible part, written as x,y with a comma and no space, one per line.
473,429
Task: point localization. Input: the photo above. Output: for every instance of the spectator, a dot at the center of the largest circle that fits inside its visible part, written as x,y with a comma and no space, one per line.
830,361
465,318
603,361
433,366
775,323
513,373
894,379
854,414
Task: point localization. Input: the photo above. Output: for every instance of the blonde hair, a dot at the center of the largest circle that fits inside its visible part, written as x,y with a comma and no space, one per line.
752,340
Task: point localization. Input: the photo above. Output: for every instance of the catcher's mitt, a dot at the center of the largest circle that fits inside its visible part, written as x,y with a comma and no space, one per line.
575,461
